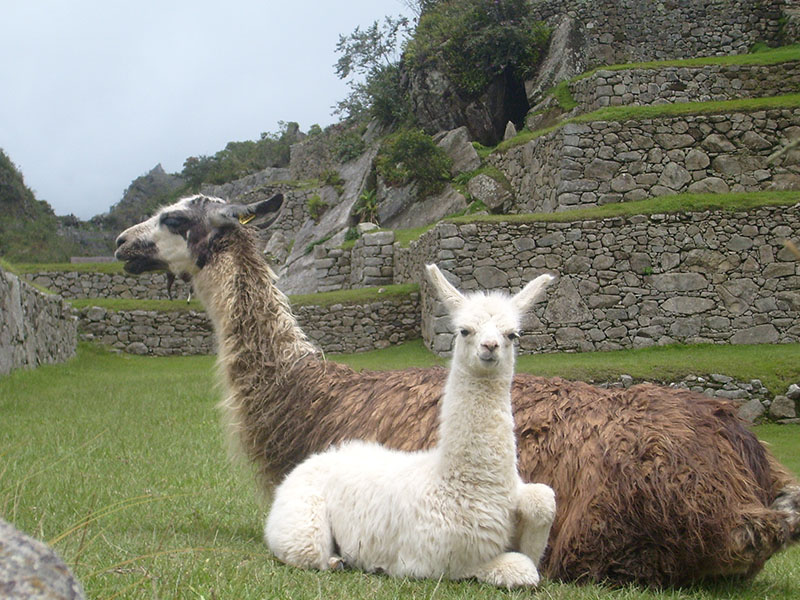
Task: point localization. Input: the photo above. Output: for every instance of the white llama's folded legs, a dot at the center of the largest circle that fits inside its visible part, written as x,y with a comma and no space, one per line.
536,509
297,528
509,570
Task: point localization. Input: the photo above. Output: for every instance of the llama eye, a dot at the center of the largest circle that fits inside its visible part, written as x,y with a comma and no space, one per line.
173,222
465,332
513,336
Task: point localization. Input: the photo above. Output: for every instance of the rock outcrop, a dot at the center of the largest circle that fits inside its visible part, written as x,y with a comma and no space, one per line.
31,570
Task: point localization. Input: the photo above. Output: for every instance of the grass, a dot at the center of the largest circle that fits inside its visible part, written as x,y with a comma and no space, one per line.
659,111
776,365
111,268
739,202
130,304
767,57
118,461
354,296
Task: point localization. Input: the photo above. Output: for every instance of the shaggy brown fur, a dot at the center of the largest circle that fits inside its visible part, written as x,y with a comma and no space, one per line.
654,485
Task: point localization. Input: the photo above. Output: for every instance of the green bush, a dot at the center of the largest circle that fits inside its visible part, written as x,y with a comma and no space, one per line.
348,146
316,207
366,207
411,155
474,41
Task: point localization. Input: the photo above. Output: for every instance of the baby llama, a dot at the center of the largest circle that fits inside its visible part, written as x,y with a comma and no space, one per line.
455,510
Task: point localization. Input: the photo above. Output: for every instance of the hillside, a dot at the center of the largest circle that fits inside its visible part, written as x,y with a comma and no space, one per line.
27,226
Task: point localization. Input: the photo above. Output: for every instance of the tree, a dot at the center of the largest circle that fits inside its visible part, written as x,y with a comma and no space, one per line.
369,58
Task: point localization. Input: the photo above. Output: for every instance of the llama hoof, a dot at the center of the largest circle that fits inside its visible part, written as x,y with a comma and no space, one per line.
336,563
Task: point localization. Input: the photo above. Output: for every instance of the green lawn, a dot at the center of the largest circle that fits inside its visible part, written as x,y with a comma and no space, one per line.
118,461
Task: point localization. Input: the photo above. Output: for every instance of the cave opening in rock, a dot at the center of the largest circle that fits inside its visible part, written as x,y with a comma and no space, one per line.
515,103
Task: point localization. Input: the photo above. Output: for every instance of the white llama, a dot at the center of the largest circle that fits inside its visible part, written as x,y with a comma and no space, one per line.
455,510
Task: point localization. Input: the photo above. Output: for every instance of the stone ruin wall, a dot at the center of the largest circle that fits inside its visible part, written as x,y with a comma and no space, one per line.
622,31
35,328
630,282
344,328
666,85
588,164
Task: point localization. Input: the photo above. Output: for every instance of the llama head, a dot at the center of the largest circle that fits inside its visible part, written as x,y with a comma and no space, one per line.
180,238
486,323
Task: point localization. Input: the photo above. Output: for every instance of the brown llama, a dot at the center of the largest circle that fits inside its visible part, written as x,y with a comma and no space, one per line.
654,485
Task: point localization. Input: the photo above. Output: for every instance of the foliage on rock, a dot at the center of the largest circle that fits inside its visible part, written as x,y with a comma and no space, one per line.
474,41
412,155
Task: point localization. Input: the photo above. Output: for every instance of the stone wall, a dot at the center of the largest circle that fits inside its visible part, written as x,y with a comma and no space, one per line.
631,282
608,161
361,327
148,332
620,31
75,284
34,328
684,84
337,328
369,263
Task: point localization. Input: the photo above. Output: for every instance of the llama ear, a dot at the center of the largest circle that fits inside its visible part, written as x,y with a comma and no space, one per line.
445,290
531,292
244,213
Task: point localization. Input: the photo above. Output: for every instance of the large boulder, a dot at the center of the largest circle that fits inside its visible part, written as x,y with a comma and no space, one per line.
565,58
31,570
401,208
459,148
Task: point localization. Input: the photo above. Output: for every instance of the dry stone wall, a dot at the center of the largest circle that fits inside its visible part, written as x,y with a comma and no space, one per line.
35,328
337,328
601,162
369,263
631,282
684,84
76,285
621,31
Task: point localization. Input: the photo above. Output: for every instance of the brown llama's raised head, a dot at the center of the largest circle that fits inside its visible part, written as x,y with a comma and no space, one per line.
180,238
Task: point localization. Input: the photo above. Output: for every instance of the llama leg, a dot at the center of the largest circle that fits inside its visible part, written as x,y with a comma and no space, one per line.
509,570
536,509
788,503
297,529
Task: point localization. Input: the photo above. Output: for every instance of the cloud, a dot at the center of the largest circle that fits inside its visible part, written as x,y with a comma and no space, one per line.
96,93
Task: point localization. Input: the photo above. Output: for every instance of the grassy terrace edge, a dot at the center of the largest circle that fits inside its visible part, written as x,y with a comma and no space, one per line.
658,111
345,297
677,203
773,56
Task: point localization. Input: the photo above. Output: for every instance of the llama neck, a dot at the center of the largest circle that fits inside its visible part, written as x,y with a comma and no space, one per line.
476,429
255,328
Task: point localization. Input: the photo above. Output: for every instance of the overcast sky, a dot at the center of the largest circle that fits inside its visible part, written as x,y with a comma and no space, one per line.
94,93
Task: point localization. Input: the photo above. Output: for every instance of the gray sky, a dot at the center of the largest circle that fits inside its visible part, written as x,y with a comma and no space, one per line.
94,93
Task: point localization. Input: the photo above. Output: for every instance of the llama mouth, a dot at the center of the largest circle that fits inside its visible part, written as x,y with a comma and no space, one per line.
140,264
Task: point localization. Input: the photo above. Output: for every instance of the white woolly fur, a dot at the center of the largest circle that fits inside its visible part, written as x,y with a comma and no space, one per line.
459,510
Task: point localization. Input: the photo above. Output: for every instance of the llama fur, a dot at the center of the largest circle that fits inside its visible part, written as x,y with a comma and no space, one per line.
453,510
657,486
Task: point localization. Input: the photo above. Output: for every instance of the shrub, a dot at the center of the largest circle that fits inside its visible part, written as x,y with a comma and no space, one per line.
316,207
411,155
474,41
348,146
366,207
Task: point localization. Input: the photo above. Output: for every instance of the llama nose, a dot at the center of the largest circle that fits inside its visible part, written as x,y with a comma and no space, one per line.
120,241
490,346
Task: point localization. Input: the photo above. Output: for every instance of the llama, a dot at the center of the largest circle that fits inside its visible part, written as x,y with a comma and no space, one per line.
658,486
452,510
